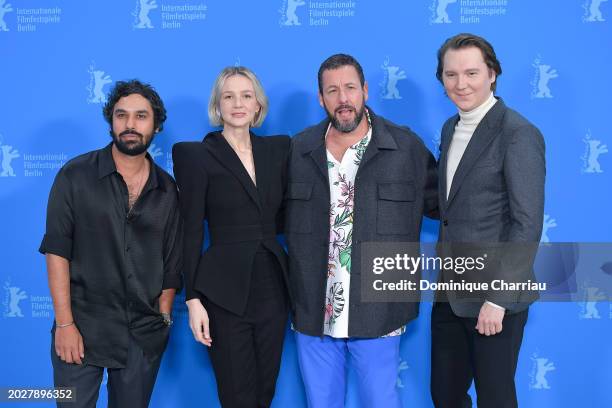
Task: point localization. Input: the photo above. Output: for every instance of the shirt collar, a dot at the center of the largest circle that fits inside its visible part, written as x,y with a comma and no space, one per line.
368,133
106,166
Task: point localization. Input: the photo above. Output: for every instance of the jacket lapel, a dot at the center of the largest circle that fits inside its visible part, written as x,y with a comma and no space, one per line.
381,140
485,132
223,152
319,156
314,146
261,153
446,137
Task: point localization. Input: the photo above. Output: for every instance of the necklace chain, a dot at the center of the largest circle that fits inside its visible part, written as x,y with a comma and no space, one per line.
250,167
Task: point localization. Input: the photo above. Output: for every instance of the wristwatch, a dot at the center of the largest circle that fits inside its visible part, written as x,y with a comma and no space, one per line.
167,319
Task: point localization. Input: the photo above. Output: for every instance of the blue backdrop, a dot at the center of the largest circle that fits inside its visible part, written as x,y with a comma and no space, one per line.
59,58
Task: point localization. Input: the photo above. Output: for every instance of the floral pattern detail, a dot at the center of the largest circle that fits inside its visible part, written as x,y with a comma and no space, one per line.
396,332
342,202
360,149
347,191
334,304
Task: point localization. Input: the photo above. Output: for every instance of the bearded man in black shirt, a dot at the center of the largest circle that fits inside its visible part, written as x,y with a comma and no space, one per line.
113,251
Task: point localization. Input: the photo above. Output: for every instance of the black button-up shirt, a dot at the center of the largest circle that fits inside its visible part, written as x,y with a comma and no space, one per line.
120,260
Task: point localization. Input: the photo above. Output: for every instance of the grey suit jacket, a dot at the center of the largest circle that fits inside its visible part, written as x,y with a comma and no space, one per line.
395,185
497,196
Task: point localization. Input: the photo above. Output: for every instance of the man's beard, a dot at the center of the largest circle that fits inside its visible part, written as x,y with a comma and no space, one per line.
346,126
132,148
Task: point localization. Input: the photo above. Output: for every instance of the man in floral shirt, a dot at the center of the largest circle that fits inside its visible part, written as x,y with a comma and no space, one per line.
353,178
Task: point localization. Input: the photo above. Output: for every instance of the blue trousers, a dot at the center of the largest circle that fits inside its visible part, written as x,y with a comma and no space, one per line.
323,363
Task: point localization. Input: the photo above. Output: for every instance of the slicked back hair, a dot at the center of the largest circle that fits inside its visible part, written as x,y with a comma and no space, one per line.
465,40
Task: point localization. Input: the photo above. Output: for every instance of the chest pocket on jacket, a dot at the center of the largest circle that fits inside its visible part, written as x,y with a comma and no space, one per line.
395,208
299,208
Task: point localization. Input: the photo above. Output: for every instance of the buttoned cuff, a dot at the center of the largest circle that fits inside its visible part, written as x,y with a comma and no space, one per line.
56,245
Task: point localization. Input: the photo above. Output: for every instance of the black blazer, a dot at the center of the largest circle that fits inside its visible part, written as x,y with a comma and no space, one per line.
214,186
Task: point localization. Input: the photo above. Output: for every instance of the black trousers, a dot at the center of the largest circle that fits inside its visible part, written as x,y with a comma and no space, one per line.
129,387
459,354
246,350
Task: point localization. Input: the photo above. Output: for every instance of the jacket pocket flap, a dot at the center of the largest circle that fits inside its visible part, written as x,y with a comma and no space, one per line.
299,191
396,191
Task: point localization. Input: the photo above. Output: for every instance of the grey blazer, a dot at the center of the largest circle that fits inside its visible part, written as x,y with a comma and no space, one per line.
395,185
497,196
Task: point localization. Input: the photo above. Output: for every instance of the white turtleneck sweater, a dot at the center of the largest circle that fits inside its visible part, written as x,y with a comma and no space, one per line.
468,121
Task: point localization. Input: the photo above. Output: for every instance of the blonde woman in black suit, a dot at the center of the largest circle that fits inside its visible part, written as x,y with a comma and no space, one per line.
236,290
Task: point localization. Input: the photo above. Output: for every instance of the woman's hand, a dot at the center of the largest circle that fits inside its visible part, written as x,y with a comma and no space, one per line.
198,321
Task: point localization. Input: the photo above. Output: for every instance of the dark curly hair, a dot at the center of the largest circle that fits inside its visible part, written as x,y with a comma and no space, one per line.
134,86
465,40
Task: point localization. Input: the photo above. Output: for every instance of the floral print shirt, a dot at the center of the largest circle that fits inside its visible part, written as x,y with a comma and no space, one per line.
342,199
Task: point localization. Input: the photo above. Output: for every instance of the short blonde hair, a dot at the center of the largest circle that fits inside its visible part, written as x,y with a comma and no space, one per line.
214,113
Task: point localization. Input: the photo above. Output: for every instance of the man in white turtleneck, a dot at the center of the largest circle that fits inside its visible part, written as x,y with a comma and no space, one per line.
463,133
491,190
